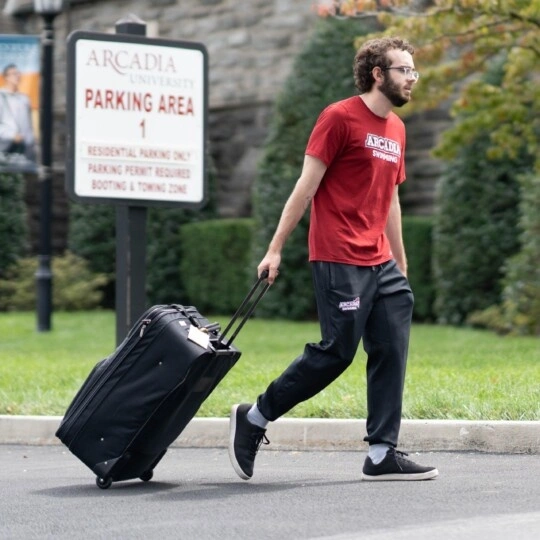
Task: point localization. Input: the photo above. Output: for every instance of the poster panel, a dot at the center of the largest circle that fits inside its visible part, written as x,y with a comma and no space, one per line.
19,102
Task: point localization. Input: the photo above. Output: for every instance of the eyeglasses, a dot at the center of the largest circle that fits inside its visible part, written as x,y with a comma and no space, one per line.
407,71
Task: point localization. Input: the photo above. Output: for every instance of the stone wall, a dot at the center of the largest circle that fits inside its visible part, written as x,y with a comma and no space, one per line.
252,46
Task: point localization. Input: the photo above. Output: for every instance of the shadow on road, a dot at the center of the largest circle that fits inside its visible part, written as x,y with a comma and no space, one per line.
184,491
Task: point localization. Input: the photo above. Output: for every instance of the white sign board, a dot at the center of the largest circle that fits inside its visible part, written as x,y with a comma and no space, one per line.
138,119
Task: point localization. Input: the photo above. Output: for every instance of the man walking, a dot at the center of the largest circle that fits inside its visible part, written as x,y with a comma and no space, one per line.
353,165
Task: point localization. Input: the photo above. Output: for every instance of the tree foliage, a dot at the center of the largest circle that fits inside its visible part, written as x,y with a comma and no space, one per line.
475,230
455,41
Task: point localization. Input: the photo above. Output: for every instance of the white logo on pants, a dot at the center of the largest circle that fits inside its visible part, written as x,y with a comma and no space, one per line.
350,305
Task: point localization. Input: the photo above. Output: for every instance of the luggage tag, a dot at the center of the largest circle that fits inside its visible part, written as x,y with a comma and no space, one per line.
202,339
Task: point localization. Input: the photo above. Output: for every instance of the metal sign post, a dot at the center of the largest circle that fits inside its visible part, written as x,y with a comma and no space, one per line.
130,294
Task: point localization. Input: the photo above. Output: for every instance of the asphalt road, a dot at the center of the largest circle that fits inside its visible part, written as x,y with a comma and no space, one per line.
46,493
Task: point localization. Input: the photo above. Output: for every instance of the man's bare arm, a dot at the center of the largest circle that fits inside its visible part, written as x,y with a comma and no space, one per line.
312,173
394,233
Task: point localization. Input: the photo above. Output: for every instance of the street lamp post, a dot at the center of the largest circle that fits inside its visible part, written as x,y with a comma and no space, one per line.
48,9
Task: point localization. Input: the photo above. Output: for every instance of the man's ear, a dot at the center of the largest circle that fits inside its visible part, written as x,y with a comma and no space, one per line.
377,74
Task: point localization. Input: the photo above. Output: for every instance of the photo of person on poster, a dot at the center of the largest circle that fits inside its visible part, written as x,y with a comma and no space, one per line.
17,139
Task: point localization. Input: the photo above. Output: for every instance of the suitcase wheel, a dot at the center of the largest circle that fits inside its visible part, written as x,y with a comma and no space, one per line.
103,483
147,476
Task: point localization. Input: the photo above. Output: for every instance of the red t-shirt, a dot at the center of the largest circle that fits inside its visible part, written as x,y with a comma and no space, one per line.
364,154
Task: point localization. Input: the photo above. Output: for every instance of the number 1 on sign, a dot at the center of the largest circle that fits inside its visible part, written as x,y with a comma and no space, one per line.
143,128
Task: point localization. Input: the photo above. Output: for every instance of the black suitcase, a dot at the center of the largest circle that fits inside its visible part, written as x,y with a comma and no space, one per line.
137,401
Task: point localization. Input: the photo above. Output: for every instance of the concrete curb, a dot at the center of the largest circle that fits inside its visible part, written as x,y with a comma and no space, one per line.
300,434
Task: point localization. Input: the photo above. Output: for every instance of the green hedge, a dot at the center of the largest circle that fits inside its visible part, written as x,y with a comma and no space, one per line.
521,284
519,311
13,223
417,236
475,229
93,237
215,266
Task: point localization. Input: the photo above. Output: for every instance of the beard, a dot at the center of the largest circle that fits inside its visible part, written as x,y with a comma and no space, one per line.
393,93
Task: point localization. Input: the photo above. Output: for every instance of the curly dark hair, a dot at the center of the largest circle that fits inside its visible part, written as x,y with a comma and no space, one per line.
373,54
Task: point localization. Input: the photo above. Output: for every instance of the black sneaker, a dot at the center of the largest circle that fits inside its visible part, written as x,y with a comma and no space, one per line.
245,439
395,466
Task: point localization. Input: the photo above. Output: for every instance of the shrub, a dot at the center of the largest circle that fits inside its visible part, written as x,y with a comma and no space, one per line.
475,230
13,227
92,236
521,293
165,252
322,73
216,263
476,224
519,312
75,286
417,234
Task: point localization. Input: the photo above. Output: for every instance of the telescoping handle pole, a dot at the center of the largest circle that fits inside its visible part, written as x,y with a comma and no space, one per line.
250,308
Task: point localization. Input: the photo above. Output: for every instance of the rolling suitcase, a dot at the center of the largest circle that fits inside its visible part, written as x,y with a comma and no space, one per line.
138,400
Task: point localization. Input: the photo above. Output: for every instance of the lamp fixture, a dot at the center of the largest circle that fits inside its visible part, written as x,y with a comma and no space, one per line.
48,7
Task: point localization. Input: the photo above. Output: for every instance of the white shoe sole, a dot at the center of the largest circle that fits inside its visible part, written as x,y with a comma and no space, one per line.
428,475
232,455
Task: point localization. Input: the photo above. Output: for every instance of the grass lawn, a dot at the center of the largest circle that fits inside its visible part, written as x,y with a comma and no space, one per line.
452,372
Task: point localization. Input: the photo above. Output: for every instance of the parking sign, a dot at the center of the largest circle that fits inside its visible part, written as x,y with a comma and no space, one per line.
137,115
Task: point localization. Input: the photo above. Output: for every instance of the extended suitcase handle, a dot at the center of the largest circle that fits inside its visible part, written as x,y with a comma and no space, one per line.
249,311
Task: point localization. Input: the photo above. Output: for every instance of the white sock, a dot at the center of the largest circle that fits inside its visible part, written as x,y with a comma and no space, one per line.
377,452
256,418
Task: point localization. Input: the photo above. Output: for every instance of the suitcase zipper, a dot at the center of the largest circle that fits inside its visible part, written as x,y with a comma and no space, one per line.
144,324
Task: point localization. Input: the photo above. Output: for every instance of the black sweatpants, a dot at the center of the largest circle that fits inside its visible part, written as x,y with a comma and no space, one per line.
372,303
